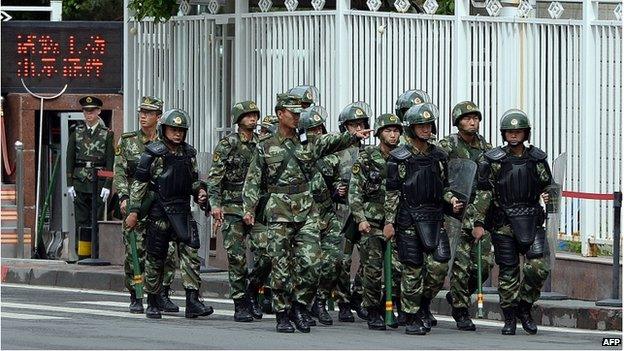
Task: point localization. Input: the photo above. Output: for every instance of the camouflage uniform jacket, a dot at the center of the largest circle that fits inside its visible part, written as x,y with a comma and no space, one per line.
230,163
324,181
127,154
367,189
290,199
485,202
456,147
391,203
83,148
140,191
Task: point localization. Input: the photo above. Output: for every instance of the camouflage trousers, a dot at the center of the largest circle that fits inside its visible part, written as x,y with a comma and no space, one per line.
170,263
372,253
331,254
512,287
261,266
295,260
160,229
419,282
463,279
344,290
235,234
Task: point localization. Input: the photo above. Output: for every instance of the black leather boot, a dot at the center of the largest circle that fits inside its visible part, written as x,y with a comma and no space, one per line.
510,321
267,304
375,322
296,316
306,315
424,312
152,310
241,312
167,304
319,310
400,314
194,307
523,312
414,325
344,312
254,306
283,323
356,305
461,316
136,305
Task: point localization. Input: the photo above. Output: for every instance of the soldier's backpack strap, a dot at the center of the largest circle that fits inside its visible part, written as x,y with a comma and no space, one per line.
401,153
152,150
284,164
495,155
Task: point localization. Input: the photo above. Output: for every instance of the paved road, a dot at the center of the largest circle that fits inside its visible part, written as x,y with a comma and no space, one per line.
35,317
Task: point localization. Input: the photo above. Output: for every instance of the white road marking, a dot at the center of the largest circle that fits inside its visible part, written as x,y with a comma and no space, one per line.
9,315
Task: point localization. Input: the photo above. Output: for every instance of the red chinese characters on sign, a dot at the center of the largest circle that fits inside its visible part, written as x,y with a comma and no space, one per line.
43,56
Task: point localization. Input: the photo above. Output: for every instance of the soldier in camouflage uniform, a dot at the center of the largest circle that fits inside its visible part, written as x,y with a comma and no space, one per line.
415,189
90,146
291,211
129,149
405,101
352,118
323,186
466,144
165,179
230,162
366,200
268,125
511,179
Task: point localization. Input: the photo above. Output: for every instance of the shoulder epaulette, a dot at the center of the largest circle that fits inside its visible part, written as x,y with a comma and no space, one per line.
401,153
128,135
537,153
157,148
496,154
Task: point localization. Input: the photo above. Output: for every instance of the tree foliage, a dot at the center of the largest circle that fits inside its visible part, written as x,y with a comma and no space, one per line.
161,10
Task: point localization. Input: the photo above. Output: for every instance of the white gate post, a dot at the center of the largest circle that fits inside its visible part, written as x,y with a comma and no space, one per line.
342,81
588,158
128,71
239,77
461,58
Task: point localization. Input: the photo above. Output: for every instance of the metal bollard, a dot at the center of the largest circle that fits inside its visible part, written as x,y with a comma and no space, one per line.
19,193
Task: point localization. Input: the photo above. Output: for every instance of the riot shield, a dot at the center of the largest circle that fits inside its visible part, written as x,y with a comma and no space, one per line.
461,173
553,212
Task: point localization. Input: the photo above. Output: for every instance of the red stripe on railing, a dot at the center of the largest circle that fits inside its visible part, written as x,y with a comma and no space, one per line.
587,196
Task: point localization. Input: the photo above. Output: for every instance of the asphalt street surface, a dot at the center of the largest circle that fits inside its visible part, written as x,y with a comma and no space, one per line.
36,317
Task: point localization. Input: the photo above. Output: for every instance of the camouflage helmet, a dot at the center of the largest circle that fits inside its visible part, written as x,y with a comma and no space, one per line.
270,123
173,118
420,114
240,109
514,119
312,117
387,120
464,108
353,112
308,94
150,103
409,99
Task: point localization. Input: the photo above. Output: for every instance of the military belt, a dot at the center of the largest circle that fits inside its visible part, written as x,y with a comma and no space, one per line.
375,223
289,189
232,186
88,164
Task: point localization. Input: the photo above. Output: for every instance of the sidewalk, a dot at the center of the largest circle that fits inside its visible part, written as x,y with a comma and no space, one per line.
566,313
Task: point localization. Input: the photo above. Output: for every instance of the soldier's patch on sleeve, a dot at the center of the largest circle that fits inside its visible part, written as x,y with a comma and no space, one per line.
355,169
118,150
216,157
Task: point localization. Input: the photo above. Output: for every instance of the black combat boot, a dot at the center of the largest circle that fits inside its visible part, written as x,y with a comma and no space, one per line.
510,321
319,310
267,304
283,323
356,305
152,310
167,304
400,314
194,307
306,315
241,312
461,316
254,306
296,316
136,305
344,312
414,325
523,312
375,322
424,313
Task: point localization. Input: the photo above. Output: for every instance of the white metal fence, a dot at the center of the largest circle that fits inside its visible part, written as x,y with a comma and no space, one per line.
566,74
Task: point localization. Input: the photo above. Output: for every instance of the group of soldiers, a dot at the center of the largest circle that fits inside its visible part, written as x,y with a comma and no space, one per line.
301,199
